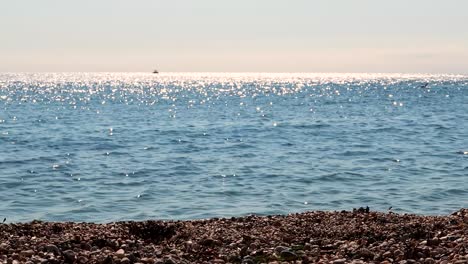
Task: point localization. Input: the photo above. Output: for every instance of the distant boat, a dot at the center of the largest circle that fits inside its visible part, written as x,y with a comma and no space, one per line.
155,71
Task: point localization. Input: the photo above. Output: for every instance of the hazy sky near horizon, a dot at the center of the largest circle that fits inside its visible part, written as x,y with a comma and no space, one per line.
429,36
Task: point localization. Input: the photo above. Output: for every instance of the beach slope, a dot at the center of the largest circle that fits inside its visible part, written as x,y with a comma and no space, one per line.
311,237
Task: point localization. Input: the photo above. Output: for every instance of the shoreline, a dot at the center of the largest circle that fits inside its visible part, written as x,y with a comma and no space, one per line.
310,237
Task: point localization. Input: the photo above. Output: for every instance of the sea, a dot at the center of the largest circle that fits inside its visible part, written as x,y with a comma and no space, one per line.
102,147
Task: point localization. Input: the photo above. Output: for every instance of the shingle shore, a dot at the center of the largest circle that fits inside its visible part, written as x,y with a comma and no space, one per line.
310,237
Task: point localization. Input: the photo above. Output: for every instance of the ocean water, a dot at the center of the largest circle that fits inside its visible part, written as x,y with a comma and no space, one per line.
119,146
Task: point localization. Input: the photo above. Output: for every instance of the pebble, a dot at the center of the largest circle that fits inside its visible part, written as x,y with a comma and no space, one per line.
27,253
288,255
147,260
387,254
339,261
279,249
169,261
69,256
367,254
311,237
247,260
53,248
82,260
120,253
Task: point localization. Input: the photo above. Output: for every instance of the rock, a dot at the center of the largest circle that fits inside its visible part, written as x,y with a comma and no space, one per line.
3,246
209,242
387,254
53,248
86,246
27,253
169,260
234,258
82,260
147,260
433,242
339,261
279,249
69,256
133,258
365,254
188,245
108,260
125,260
248,260
288,255
120,253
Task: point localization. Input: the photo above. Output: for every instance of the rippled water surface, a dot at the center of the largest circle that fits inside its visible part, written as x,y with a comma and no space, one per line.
104,147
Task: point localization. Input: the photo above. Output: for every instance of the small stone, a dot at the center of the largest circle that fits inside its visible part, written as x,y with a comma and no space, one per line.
234,258
433,242
421,255
133,258
279,249
399,254
147,260
247,260
169,260
120,253
288,255
53,248
107,260
69,256
365,253
82,260
188,245
339,261
27,253
209,242
387,254
125,261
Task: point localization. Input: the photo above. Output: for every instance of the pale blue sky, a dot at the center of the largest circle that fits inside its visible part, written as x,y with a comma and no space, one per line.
243,35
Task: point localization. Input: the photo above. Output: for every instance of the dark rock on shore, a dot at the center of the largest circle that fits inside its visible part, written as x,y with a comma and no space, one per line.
361,236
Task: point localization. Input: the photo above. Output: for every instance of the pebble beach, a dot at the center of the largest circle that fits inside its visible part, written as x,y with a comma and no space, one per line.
358,236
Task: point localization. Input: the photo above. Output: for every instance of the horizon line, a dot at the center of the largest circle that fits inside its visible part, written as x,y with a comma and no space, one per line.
243,72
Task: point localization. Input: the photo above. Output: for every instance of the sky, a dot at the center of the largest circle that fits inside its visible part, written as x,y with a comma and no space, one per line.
407,36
